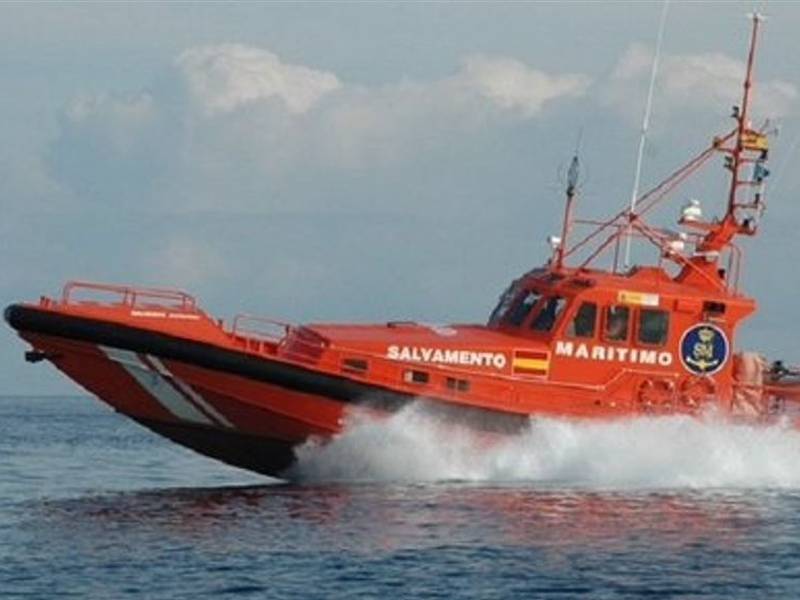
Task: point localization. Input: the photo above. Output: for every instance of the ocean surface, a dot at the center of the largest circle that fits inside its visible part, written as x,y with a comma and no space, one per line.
93,506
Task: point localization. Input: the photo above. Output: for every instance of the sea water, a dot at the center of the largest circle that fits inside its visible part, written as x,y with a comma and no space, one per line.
93,506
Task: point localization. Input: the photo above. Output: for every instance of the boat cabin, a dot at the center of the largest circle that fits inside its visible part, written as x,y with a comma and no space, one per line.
598,325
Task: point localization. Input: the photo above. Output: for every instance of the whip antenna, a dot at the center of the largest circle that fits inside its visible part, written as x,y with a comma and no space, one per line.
643,136
573,174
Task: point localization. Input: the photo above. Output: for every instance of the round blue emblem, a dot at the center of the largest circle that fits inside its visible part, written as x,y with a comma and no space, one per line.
704,349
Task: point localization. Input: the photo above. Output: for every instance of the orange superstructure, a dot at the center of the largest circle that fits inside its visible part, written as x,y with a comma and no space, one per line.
568,339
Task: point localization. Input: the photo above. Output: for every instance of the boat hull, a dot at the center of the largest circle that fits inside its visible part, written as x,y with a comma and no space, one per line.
256,453
247,411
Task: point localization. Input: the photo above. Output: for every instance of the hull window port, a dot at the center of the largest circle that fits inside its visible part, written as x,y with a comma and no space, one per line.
414,376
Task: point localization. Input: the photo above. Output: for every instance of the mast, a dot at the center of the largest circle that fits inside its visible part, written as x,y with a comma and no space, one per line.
750,147
742,116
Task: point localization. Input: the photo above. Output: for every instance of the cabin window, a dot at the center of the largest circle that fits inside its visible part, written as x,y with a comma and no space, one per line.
582,325
617,318
714,308
416,377
522,309
653,326
549,314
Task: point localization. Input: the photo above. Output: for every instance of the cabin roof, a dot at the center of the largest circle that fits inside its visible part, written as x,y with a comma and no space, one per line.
642,279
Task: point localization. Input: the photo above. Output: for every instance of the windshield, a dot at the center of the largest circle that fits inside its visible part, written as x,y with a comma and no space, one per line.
517,314
506,299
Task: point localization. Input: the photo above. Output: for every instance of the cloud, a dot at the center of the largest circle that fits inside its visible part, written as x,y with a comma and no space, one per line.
692,82
225,77
233,124
512,85
357,126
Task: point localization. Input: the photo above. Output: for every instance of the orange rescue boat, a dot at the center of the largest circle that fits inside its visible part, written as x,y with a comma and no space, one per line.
565,340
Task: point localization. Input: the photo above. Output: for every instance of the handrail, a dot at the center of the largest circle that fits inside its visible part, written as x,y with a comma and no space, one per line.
131,295
652,197
238,330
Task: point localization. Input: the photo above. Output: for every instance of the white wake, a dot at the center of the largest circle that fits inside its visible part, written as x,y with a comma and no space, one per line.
637,453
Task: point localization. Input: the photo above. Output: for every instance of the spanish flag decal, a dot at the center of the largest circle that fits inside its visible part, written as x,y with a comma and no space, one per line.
531,362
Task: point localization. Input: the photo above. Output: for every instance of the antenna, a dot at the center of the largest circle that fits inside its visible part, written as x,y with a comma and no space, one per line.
573,173
643,136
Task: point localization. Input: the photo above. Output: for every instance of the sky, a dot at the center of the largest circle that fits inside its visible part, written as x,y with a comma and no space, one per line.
364,161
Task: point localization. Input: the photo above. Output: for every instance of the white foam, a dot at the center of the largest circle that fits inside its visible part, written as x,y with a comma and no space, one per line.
636,453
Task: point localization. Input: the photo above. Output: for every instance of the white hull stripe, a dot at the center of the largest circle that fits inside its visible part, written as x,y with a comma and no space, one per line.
188,391
170,381
155,384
